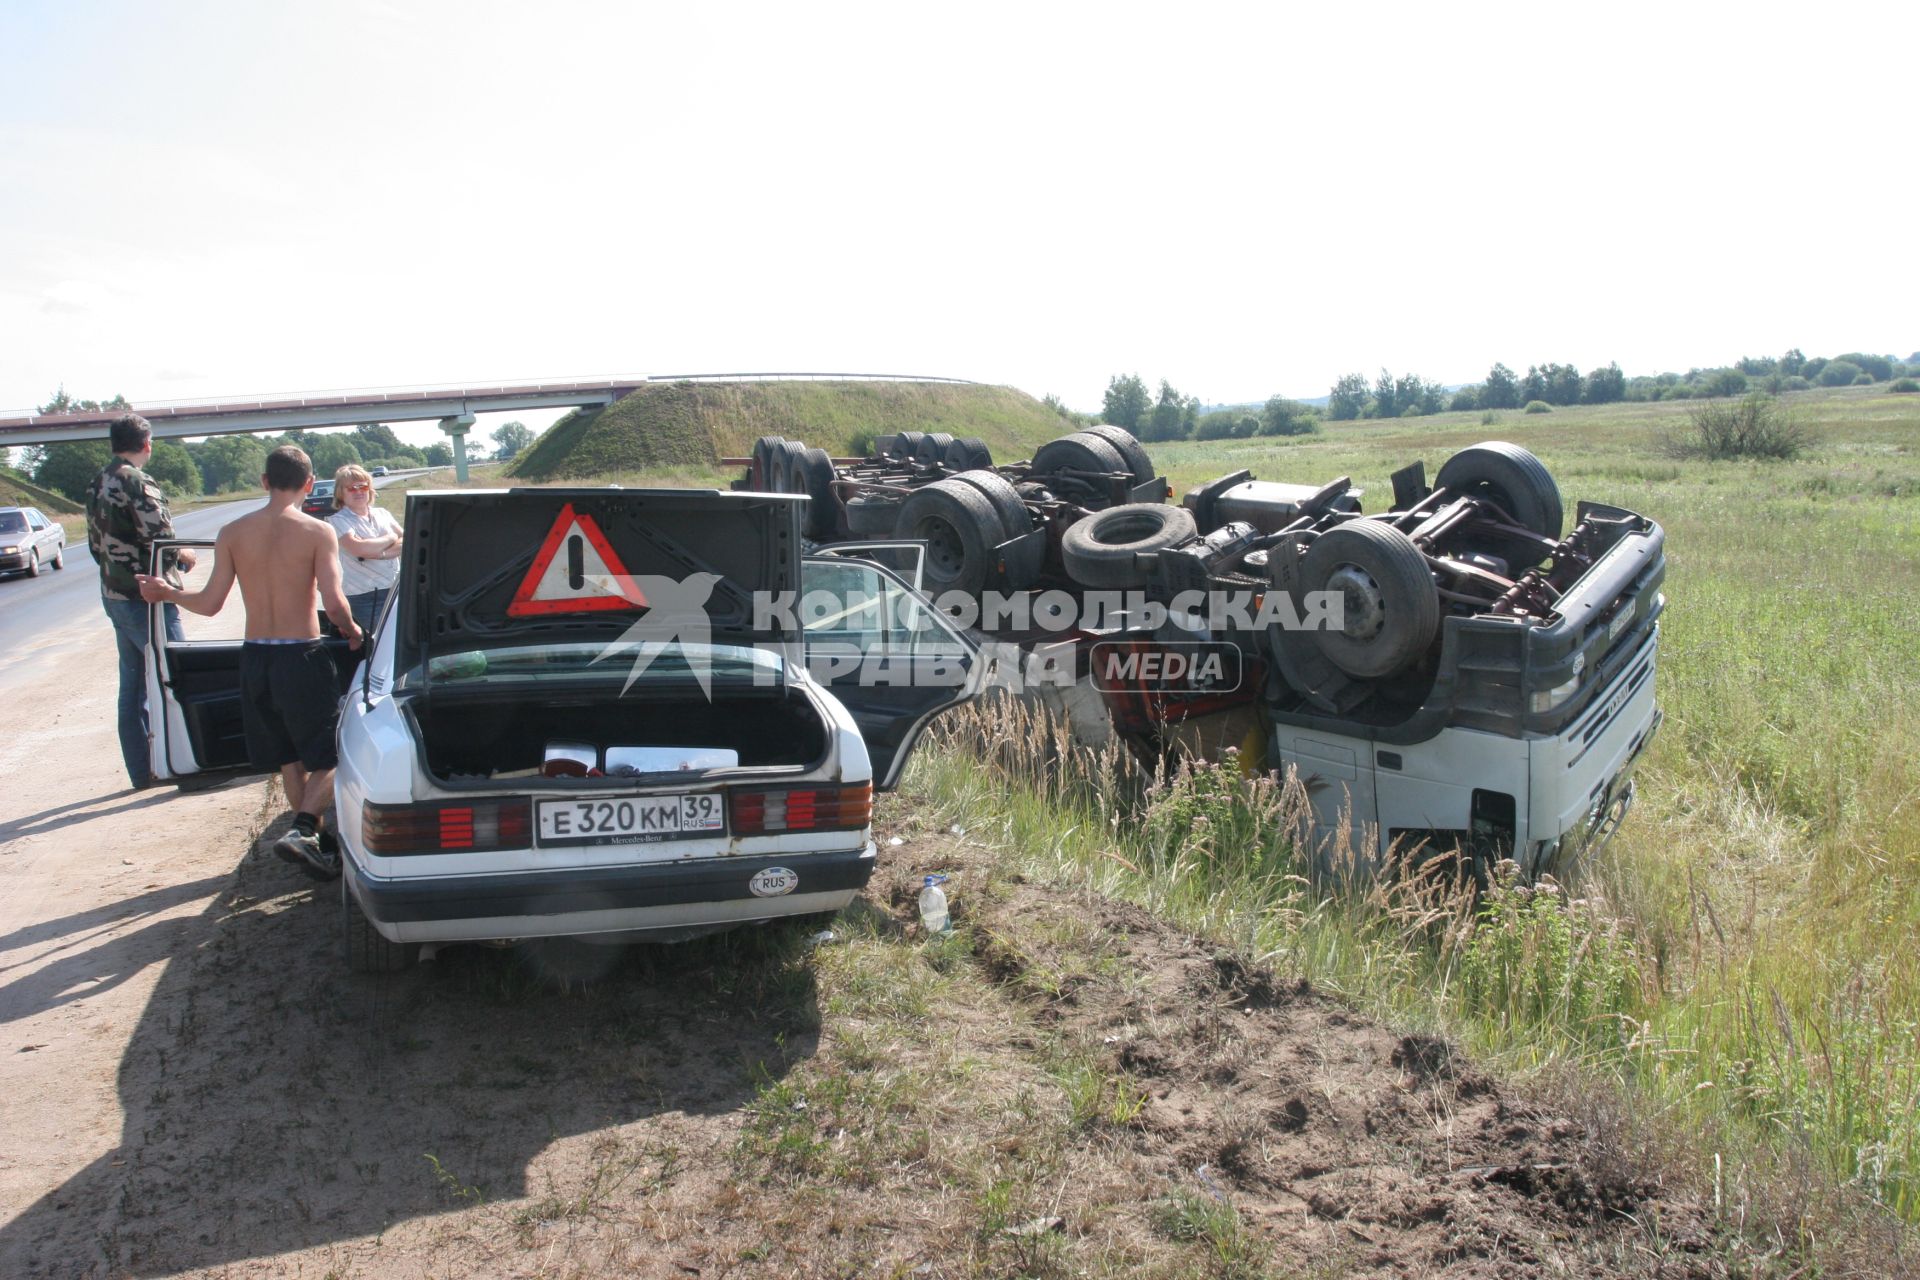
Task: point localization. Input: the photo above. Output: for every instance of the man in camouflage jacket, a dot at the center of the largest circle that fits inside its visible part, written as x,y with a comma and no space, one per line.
126,512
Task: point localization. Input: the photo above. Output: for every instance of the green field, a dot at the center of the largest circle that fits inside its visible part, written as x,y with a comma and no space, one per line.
1742,960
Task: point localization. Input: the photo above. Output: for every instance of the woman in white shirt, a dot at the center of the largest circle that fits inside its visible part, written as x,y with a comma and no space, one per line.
369,543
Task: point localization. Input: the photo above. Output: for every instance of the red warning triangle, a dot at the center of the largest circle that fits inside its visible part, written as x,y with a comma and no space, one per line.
575,572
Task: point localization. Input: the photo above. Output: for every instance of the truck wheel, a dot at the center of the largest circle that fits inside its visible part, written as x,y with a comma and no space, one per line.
1390,609
871,515
813,475
1512,477
886,446
788,473
763,454
967,453
1013,513
932,448
367,950
1015,520
1128,447
910,445
1078,452
960,529
1099,551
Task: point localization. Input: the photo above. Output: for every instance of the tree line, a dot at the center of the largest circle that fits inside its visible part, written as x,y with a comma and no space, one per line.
225,464
1172,415
1552,385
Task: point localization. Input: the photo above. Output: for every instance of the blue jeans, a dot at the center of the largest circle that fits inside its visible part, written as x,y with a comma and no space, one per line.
366,607
130,627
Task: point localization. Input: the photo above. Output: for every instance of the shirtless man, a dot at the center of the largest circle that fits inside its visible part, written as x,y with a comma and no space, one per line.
289,693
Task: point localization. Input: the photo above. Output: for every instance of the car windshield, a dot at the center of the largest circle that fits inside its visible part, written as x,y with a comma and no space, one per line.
12,522
613,663
323,489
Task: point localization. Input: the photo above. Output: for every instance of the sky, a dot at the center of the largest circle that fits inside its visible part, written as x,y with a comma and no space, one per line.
212,199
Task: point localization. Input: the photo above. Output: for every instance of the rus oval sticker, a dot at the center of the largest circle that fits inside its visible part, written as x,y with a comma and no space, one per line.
772,882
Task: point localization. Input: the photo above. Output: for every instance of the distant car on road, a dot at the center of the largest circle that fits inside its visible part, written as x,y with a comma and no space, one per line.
29,540
319,503
379,471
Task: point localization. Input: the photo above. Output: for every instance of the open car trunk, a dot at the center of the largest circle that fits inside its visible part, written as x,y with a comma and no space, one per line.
477,739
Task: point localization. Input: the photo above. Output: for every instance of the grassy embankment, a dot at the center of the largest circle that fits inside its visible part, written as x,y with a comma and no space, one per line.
676,432
1742,959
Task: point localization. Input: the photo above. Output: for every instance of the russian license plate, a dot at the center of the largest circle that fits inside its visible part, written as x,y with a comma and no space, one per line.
632,819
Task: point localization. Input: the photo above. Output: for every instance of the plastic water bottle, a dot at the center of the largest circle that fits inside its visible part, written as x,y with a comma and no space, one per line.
933,906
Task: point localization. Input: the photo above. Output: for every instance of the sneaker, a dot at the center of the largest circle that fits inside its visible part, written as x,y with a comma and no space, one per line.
303,849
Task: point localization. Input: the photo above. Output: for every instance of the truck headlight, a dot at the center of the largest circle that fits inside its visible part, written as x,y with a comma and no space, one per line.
1548,699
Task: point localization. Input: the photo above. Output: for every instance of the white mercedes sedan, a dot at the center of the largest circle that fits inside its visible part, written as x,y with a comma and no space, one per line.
603,712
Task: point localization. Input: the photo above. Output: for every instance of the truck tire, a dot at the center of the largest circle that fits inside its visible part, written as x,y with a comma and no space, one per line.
886,446
367,950
1099,551
932,448
967,453
910,445
1390,607
787,474
872,515
762,472
1522,486
960,529
1013,513
1078,452
814,476
1128,447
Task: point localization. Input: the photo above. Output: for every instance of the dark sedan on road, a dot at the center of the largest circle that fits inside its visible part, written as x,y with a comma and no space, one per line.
319,503
29,540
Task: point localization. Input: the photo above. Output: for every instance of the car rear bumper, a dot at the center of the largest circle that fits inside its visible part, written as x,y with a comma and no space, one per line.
671,895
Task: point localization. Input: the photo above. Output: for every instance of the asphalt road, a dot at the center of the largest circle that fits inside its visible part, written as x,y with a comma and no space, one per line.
38,616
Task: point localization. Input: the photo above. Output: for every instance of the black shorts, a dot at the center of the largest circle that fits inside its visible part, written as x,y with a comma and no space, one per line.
289,704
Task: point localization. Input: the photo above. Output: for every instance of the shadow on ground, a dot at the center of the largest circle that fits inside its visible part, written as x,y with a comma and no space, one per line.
274,1102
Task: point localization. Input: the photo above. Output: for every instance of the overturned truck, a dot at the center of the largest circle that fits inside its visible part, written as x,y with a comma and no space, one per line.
1460,671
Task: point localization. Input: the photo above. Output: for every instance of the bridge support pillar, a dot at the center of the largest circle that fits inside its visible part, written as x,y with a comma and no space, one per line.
457,427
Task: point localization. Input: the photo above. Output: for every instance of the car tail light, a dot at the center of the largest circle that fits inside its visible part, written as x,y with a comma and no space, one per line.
758,812
461,827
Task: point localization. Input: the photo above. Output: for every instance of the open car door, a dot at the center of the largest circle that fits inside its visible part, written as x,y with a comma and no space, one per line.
193,679
887,654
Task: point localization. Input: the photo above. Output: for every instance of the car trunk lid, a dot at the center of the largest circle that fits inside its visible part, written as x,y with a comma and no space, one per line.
486,568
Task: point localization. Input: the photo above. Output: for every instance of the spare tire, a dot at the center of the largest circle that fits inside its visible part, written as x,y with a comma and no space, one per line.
1390,607
1519,484
872,515
1127,446
932,448
967,453
960,529
1099,551
760,477
813,475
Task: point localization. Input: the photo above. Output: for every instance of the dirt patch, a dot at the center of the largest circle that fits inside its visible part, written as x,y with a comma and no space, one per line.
1063,1086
